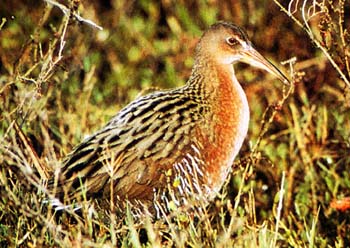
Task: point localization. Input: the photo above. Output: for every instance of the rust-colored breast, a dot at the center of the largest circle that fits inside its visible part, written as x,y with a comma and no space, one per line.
228,128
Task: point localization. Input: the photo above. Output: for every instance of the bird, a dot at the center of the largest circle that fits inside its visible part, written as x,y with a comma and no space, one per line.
190,134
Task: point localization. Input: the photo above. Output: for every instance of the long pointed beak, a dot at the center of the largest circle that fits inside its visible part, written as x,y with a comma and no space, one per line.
254,58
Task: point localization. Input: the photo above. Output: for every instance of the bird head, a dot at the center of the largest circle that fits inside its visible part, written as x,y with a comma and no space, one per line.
226,43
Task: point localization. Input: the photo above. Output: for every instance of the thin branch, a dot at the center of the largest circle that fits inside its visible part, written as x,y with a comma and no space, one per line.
68,12
49,63
308,30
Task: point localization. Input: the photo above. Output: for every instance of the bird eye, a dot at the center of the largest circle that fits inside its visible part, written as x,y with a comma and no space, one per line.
231,41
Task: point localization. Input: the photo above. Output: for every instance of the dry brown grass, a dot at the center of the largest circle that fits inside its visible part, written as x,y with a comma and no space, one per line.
61,79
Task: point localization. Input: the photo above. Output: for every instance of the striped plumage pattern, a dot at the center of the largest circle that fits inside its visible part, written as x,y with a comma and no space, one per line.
153,130
191,134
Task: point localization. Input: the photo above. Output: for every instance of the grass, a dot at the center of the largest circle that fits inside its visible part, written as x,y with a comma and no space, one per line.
61,79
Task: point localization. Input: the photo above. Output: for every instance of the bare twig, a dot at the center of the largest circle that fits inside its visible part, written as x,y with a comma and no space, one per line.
67,12
50,63
306,16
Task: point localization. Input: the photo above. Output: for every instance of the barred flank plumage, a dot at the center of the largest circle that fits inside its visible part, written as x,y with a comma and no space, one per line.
191,133
154,129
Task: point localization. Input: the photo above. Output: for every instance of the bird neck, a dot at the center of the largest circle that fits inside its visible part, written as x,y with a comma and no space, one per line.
227,120
213,81
204,79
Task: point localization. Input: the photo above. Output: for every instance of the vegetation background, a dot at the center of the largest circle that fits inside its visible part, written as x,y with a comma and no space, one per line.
62,78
